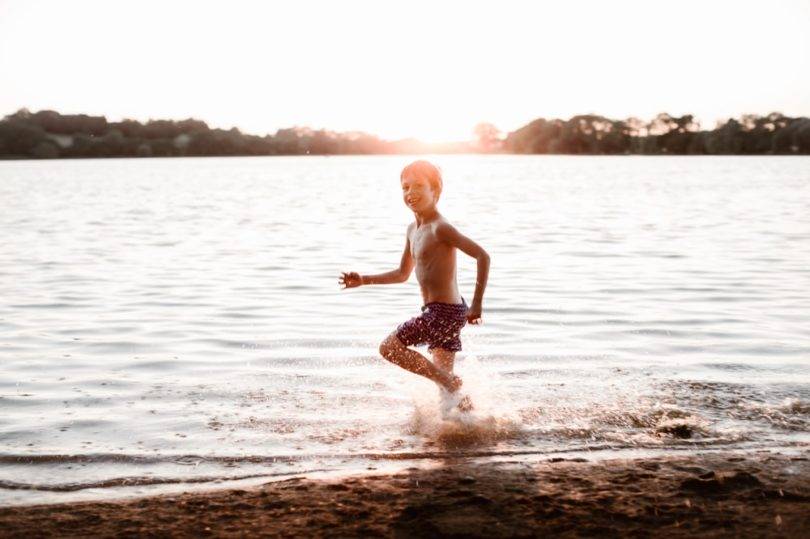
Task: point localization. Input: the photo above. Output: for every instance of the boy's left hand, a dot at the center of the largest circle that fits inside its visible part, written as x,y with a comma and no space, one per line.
474,314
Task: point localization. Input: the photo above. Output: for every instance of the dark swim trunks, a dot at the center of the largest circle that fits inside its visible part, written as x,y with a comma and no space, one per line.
439,326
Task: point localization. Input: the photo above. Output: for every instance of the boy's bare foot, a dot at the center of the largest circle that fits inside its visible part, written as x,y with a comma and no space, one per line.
465,404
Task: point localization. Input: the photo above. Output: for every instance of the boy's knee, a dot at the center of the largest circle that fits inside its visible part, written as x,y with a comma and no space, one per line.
385,349
388,347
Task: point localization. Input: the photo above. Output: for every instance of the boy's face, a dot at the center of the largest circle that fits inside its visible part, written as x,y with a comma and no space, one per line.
417,193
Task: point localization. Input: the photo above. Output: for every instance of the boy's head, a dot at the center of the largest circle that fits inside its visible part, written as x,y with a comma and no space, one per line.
421,184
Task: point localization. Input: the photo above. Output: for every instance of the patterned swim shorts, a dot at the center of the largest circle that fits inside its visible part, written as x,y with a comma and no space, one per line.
439,326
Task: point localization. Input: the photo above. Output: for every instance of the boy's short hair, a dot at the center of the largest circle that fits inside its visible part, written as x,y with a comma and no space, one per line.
428,171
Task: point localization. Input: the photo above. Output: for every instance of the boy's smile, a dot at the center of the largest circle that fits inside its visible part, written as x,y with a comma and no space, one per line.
417,193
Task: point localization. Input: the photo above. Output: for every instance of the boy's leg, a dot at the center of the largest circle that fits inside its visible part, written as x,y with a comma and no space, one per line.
394,351
443,359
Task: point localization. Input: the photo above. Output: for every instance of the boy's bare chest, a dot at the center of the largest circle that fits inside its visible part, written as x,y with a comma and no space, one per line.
425,244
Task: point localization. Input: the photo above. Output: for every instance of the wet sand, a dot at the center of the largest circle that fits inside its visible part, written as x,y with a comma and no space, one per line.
716,495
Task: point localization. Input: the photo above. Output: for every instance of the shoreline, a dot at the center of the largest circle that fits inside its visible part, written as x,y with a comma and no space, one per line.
755,494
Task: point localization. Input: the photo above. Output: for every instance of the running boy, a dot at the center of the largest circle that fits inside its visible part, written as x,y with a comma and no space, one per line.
430,245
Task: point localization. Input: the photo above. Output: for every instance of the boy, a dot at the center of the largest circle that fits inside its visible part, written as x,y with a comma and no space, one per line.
430,245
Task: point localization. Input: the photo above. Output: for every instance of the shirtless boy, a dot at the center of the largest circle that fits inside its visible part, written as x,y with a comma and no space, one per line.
430,245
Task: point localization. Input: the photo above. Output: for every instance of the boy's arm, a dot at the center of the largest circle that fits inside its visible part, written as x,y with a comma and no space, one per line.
399,275
448,234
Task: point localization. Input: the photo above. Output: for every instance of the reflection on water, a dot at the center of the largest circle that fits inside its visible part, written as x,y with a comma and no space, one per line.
174,321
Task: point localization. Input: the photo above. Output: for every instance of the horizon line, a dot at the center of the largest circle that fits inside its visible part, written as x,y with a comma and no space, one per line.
305,128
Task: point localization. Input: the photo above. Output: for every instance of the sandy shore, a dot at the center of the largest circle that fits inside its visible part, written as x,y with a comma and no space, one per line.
762,495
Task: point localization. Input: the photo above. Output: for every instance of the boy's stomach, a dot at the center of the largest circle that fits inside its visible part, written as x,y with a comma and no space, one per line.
440,292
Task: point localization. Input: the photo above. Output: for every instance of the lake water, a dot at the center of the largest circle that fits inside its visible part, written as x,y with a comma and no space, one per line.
176,324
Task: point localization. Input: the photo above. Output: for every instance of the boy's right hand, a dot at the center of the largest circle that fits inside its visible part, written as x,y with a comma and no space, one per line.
350,279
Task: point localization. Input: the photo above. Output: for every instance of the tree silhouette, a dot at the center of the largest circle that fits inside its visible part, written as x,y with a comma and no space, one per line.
49,134
488,136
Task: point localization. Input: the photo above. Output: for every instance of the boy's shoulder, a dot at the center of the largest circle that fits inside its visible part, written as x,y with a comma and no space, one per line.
443,221
442,224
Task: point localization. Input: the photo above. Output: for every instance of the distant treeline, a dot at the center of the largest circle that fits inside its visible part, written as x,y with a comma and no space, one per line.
48,134
665,134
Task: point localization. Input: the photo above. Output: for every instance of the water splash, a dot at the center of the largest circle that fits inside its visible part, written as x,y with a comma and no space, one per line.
438,418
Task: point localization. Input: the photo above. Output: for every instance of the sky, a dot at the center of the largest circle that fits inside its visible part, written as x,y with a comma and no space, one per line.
430,70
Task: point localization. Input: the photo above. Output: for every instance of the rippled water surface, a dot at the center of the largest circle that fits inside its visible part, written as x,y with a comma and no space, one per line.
171,323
